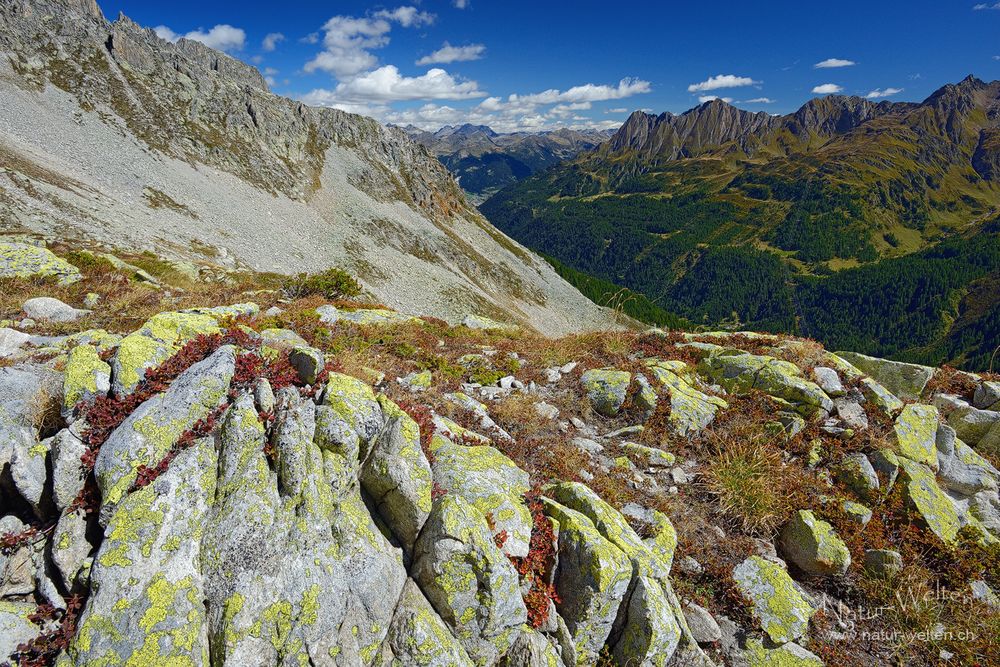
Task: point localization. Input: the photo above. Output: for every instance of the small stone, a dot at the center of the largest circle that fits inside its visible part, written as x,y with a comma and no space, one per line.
689,565
857,512
915,434
778,605
416,381
987,396
703,627
812,544
91,300
857,473
546,411
263,395
606,389
51,310
11,341
883,563
308,362
828,380
851,413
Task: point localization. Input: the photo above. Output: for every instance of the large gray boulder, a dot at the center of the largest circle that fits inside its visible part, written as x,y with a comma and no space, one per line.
471,583
30,396
397,476
418,637
907,381
292,573
743,372
147,434
52,310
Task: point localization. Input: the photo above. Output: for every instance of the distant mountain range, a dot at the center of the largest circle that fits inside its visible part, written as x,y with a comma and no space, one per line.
485,161
829,221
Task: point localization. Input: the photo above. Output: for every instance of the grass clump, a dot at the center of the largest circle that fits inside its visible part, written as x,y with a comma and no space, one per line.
747,479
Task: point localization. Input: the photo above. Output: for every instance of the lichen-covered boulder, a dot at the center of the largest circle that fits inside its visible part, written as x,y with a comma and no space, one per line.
610,524
691,410
489,481
533,649
962,469
782,379
651,632
469,581
273,341
348,418
592,578
645,396
147,434
486,324
780,608
293,575
907,381
987,396
418,637
15,627
786,655
154,343
17,572
87,377
146,602
397,476
857,473
915,433
606,389
24,260
28,395
812,544
880,397
930,501
974,426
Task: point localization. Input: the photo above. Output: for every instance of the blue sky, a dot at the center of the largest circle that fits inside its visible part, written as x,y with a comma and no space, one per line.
536,65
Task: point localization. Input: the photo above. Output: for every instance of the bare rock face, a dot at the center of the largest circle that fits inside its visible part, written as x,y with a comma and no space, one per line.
233,174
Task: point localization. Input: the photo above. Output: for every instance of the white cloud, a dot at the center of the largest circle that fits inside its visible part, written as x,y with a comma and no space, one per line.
408,17
348,40
721,81
271,41
996,57
588,92
616,110
223,37
827,89
708,98
983,5
269,74
834,62
311,38
454,54
460,4
878,92
759,100
386,84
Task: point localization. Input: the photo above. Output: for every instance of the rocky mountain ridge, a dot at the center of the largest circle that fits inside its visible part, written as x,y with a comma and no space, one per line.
113,135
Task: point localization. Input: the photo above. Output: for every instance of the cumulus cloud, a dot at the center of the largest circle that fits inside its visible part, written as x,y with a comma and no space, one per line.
827,89
588,92
223,37
760,100
834,62
721,81
386,84
708,98
348,40
453,54
271,41
878,92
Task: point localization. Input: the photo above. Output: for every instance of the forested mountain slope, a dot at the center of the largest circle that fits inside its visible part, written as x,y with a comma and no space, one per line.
864,225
